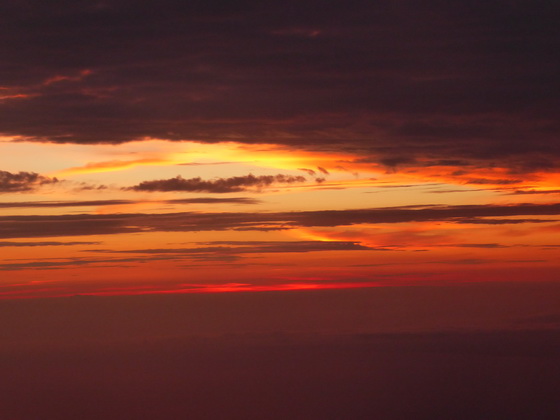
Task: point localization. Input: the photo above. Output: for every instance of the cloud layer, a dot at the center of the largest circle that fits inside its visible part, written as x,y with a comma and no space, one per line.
22,181
105,224
398,82
96,203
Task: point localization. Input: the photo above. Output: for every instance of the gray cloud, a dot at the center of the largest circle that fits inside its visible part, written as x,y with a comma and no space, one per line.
105,224
212,200
531,192
90,203
219,185
484,181
22,181
489,245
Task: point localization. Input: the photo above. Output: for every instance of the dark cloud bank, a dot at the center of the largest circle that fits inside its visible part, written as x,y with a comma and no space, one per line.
49,243
465,82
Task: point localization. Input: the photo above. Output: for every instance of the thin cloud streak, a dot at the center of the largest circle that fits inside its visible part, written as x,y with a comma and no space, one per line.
253,247
106,224
211,253
41,244
95,203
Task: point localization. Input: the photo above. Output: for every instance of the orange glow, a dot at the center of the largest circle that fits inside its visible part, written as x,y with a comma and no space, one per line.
115,165
311,235
123,245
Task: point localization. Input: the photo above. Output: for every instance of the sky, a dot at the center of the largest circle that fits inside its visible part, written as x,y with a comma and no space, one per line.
400,156
259,146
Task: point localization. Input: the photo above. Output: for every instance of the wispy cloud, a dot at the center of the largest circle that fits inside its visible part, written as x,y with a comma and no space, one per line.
96,203
41,244
218,251
533,192
252,247
71,263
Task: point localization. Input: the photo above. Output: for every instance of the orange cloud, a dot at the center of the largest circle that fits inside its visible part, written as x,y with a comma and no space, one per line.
110,166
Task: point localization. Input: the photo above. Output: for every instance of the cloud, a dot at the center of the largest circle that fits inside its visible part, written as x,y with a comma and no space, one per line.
23,181
254,247
219,185
106,224
85,186
47,204
483,181
212,200
531,192
114,165
489,245
490,221
95,203
219,251
70,263
272,72
26,244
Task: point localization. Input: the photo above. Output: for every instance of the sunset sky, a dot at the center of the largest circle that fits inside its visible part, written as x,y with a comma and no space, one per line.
263,146
179,148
